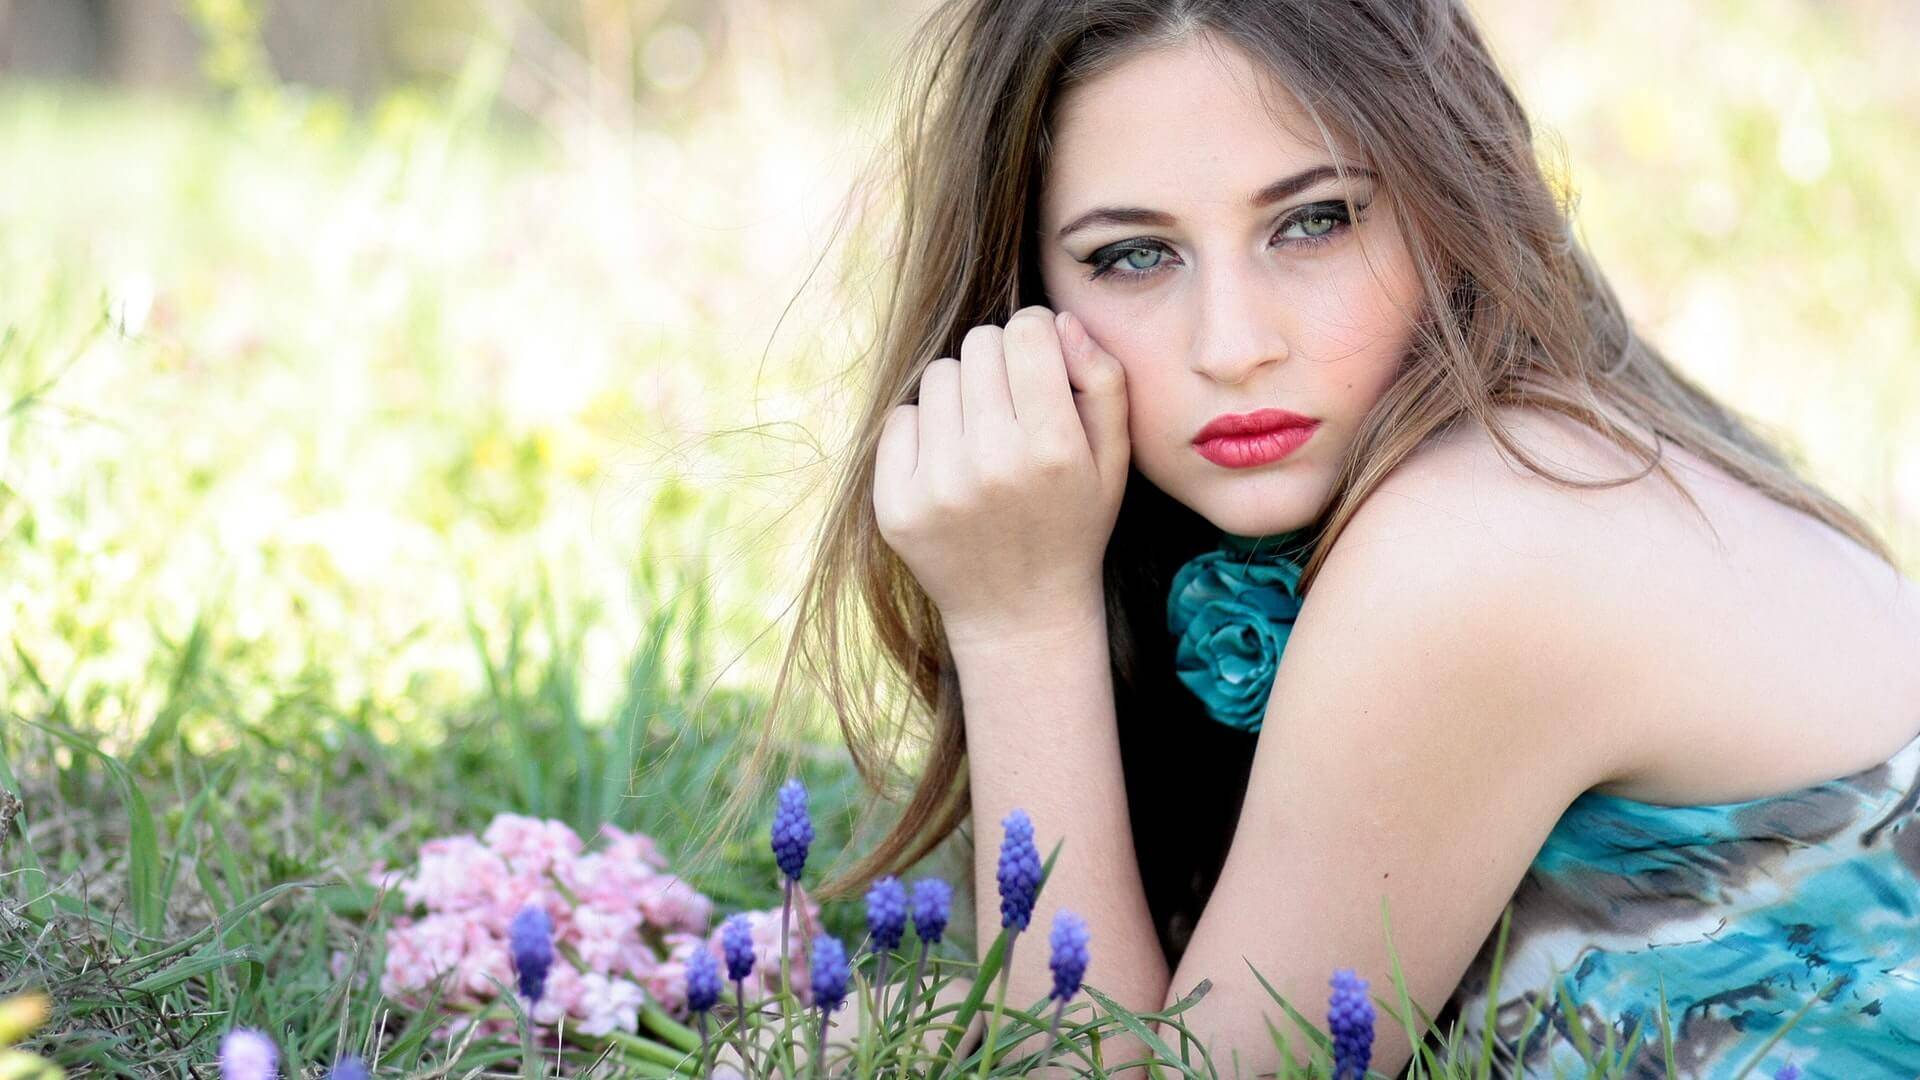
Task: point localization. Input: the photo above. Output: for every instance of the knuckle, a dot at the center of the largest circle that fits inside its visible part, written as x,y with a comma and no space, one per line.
895,522
947,501
1030,324
980,337
999,475
1104,378
938,373
1053,453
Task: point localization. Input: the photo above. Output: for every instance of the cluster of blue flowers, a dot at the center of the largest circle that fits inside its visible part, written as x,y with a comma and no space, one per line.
1069,960
887,912
736,940
830,973
1350,1022
792,829
530,943
703,980
1019,871
932,899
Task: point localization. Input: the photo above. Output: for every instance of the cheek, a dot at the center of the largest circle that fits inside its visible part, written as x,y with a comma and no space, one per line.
1151,395
1362,317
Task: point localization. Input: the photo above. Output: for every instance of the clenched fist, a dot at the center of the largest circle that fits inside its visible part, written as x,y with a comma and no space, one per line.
1000,488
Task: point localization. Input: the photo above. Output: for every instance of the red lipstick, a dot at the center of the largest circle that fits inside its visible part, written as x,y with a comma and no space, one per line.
1243,440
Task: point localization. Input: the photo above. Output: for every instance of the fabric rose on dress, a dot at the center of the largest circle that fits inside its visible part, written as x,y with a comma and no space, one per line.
1232,609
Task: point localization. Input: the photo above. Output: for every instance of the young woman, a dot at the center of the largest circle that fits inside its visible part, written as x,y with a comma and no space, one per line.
1559,629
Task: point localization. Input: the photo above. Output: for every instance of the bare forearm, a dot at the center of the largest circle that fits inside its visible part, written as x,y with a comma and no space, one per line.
1041,736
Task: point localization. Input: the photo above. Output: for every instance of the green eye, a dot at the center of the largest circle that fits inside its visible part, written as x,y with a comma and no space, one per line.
1308,227
1317,221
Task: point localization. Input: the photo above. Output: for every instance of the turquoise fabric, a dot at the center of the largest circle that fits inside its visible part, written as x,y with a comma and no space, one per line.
1743,912
1232,608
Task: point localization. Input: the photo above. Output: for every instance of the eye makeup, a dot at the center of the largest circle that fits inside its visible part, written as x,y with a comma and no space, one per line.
1340,214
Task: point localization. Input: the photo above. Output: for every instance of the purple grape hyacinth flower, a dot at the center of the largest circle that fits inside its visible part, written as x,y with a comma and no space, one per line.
1069,959
247,1054
792,829
1019,871
932,903
703,979
736,937
348,1068
829,972
887,912
1789,1072
1350,1022
530,941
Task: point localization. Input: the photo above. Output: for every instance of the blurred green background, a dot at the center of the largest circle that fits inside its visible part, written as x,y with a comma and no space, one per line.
373,375
411,306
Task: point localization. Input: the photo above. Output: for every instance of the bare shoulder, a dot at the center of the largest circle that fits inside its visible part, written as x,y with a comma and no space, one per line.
1467,515
1650,618
1521,574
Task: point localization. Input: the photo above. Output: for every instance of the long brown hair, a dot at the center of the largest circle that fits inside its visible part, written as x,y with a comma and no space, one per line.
1516,313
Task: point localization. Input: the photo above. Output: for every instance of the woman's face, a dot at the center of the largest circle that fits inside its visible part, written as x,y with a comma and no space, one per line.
1215,301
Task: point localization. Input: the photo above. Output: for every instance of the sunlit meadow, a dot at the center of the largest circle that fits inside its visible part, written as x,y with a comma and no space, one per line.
370,471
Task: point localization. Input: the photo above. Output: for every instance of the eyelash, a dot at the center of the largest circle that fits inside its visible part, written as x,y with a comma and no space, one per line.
1104,259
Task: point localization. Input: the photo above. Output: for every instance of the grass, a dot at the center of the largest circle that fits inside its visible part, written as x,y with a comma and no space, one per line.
363,475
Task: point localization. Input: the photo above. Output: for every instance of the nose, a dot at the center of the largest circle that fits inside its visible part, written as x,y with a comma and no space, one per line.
1240,325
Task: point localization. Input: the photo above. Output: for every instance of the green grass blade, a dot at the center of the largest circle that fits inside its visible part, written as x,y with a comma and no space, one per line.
1760,1054
203,963
143,843
33,878
1484,1067
180,688
1142,1032
1319,1038
1414,1039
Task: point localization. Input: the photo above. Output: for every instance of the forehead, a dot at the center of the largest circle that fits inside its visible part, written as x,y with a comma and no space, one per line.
1193,123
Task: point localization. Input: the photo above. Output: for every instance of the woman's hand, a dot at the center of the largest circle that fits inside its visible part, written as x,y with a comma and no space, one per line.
999,489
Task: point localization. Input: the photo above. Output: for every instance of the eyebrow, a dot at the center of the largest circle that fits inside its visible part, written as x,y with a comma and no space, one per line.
1266,196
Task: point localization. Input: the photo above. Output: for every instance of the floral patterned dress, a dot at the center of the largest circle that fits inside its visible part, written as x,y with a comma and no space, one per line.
1743,912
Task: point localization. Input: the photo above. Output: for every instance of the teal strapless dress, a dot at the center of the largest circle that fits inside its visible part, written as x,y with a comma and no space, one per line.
1743,911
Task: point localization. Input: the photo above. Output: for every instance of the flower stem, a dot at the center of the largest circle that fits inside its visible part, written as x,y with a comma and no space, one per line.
909,997
919,969
647,1050
670,1031
786,987
740,1024
999,1006
1053,1032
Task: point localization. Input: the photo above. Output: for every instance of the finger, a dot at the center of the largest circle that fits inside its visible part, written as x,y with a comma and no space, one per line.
894,460
986,405
1100,385
939,416
1037,372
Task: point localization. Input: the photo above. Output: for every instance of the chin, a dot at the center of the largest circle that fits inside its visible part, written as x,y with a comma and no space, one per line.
1268,523
1279,503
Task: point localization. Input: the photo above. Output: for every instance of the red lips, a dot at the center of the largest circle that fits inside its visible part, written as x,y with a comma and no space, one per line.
1253,423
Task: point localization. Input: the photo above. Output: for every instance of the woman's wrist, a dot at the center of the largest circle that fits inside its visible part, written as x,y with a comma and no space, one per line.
1063,623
